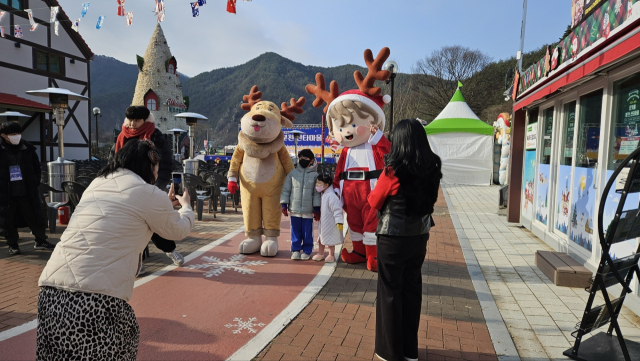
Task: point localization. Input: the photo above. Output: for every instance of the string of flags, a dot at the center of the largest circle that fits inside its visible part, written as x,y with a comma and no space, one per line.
159,11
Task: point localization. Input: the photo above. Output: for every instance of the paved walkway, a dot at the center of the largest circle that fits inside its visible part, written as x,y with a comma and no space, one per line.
539,315
339,324
20,273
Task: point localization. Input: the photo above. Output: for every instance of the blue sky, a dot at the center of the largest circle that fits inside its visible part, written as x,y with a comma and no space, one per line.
321,32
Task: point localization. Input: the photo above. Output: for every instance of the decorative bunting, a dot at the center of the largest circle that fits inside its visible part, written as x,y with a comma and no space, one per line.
34,27
30,14
85,8
202,2
1,31
159,6
1,14
55,27
159,10
129,18
54,13
100,21
75,25
17,31
121,7
195,10
231,6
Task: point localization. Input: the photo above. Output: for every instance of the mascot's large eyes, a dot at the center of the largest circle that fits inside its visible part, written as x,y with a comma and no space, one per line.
354,125
340,129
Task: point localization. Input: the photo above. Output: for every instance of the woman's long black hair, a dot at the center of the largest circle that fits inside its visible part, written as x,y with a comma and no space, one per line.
138,156
418,169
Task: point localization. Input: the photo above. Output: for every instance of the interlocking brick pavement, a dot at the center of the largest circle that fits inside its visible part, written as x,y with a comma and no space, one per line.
339,324
20,273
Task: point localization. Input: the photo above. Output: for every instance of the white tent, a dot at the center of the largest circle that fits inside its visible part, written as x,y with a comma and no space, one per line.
463,142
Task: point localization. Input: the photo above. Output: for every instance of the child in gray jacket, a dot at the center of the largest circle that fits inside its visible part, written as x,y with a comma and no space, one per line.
300,198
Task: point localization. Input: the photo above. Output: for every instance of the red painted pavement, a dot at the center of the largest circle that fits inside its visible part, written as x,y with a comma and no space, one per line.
182,314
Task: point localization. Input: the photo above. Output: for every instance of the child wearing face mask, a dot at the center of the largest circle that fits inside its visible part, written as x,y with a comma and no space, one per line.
300,197
331,219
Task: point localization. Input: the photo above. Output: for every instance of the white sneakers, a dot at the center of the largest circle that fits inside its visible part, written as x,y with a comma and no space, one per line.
177,258
300,256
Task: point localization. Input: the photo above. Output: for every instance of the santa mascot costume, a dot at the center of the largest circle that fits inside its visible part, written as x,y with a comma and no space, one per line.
355,119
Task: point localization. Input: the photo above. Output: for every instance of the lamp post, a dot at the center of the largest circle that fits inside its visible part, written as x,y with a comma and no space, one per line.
392,67
60,170
191,165
176,133
96,113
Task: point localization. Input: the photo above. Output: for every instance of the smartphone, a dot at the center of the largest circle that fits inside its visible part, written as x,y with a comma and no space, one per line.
177,183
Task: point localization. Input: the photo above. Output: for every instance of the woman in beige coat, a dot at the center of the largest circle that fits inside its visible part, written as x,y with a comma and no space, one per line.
82,308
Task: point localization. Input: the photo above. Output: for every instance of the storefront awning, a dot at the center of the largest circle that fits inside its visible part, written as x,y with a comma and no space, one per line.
15,102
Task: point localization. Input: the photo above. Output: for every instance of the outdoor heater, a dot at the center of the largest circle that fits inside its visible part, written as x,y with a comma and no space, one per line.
191,164
176,134
296,134
13,116
60,170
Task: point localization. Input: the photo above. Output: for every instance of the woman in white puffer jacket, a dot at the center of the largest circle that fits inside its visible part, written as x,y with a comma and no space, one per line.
82,307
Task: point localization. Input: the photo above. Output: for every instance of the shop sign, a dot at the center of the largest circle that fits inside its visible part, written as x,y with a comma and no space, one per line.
592,21
175,107
532,136
628,145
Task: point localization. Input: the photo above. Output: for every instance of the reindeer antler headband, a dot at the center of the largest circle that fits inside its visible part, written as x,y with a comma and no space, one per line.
367,93
286,111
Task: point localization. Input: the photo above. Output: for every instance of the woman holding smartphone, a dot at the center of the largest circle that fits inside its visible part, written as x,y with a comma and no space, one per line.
84,288
404,197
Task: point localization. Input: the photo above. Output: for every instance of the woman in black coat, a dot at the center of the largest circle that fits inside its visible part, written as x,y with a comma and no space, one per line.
140,124
20,200
404,196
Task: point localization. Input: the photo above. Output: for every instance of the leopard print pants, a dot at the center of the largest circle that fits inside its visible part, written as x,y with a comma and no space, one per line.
85,326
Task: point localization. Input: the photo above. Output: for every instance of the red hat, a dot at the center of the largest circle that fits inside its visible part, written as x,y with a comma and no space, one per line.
375,102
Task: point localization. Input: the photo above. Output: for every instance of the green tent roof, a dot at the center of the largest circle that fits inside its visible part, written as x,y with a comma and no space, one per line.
457,117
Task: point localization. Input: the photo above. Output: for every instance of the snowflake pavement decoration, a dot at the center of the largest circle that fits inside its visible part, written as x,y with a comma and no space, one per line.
244,325
218,266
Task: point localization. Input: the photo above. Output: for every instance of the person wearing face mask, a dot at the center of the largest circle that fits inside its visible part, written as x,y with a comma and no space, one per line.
20,201
139,123
300,198
331,222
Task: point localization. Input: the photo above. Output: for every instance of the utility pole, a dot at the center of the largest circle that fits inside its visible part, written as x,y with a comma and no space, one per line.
524,24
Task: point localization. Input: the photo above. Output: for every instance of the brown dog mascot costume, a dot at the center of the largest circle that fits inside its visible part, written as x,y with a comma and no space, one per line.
261,162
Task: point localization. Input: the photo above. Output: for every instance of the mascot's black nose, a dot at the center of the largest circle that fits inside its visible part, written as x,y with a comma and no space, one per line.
258,117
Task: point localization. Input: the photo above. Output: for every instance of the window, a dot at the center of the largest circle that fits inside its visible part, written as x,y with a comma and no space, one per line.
151,104
589,130
547,127
171,68
566,151
16,4
48,62
625,124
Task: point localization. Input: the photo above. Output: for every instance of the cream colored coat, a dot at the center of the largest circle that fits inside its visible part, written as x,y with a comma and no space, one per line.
100,250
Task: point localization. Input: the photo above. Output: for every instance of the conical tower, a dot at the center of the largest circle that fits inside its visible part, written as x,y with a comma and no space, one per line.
158,87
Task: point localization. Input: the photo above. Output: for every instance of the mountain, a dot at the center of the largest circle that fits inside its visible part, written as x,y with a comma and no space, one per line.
217,94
